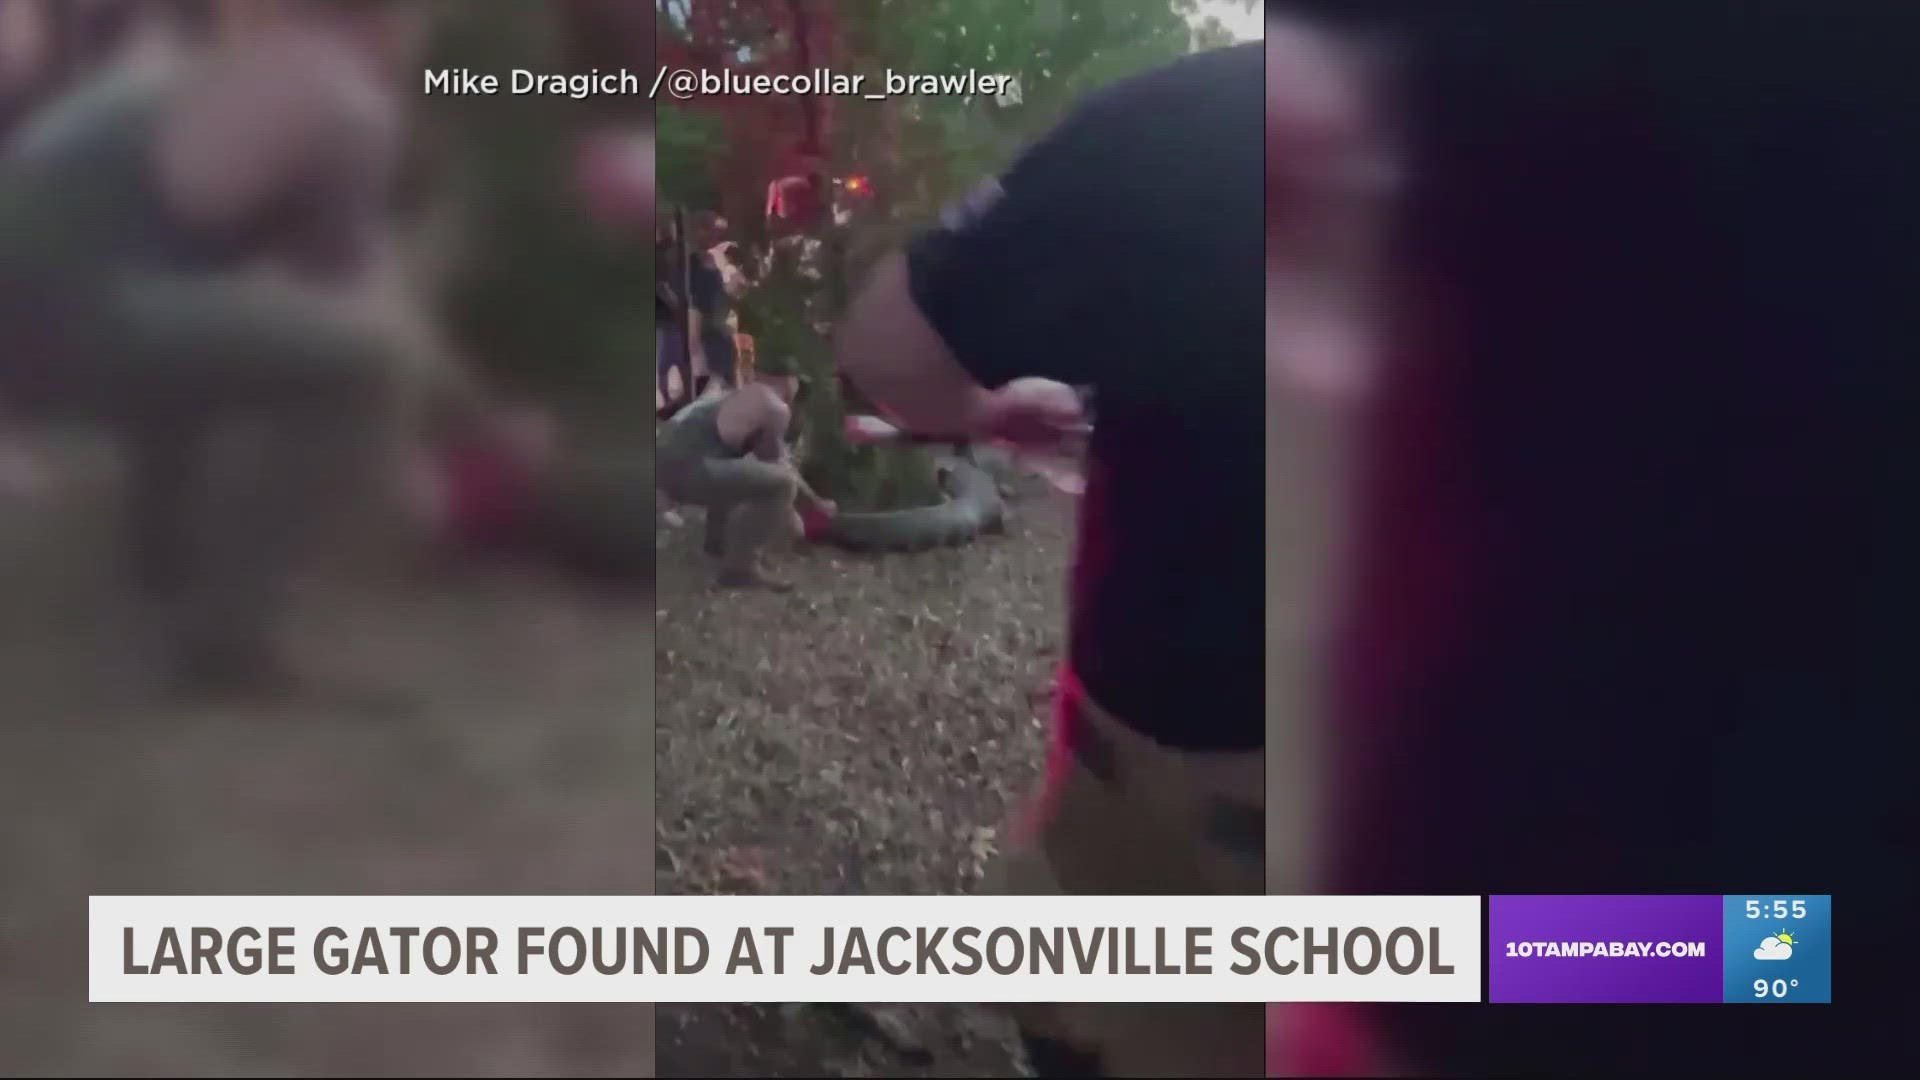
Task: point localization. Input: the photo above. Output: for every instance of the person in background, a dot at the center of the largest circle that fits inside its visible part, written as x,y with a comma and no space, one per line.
739,276
1054,276
746,358
1631,533
709,305
670,315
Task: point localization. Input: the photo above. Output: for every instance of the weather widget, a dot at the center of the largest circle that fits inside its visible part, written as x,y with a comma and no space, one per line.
1778,948
1659,949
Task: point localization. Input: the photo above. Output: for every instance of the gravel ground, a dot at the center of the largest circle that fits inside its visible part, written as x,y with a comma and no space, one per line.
866,734
527,767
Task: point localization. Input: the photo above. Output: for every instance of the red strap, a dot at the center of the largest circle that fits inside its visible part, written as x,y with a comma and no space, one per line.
813,523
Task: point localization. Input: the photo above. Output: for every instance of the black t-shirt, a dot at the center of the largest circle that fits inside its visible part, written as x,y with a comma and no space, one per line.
666,304
708,288
1124,252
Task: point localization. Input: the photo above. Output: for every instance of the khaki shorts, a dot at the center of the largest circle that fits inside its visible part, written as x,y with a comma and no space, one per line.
1120,815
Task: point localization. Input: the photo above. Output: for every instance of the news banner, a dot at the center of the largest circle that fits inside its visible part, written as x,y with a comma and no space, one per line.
1767,949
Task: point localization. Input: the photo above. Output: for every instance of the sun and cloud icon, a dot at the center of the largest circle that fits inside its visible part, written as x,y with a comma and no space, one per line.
1775,947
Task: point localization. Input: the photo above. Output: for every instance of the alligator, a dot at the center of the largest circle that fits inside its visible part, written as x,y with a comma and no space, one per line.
597,517
973,506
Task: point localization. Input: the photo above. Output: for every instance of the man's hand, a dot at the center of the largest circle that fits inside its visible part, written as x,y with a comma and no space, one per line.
807,495
1030,414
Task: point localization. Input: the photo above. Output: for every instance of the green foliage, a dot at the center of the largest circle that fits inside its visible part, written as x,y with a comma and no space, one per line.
1057,49
1211,33
866,478
924,151
686,145
780,310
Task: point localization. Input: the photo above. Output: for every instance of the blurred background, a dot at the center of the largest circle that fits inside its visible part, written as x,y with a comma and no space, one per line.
1628,517
513,750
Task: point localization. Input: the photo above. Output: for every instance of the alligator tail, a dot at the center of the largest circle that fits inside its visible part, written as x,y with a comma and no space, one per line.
973,506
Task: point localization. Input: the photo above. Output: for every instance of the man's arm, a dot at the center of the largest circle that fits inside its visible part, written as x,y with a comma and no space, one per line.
803,489
988,296
1052,270
898,359
773,420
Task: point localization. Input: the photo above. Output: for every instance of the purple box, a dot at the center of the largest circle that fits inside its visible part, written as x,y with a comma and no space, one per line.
1604,949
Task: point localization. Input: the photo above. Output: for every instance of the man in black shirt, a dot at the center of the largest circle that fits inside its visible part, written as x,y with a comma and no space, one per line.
1123,252
671,352
709,304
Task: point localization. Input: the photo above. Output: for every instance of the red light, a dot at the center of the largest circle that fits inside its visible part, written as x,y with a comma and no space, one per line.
857,185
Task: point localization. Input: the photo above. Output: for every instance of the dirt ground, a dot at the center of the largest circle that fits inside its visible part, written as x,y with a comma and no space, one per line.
526,767
867,734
